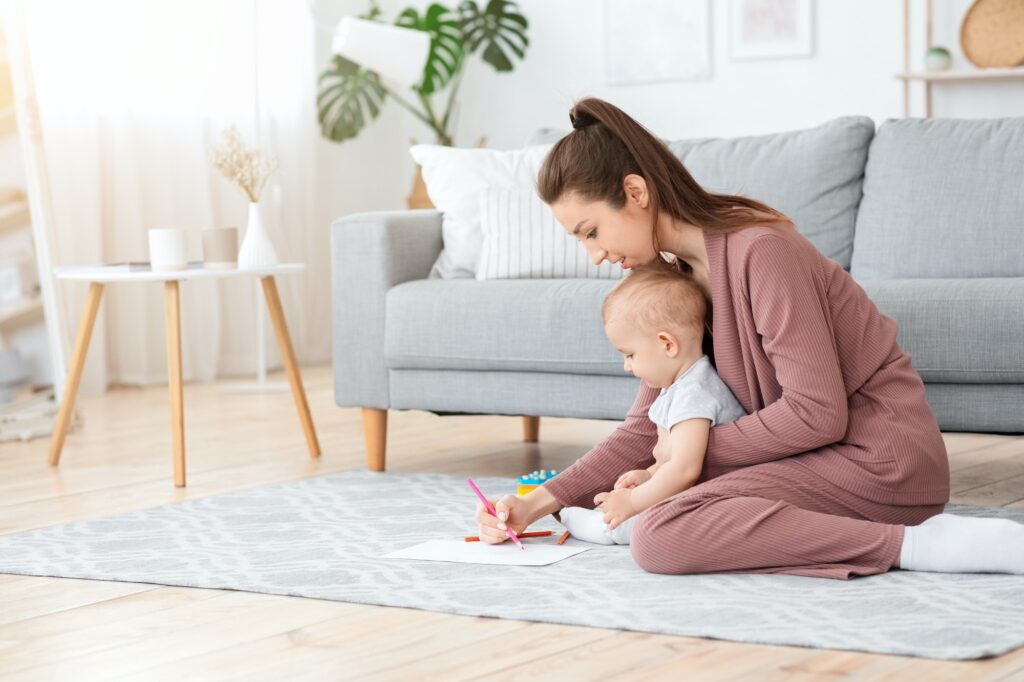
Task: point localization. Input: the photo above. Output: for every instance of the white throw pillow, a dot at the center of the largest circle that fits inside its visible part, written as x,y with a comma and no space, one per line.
522,240
455,178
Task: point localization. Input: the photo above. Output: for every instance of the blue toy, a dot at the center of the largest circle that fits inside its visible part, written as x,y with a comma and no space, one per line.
528,482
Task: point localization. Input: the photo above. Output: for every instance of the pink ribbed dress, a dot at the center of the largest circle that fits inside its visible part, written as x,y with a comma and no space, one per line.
839,449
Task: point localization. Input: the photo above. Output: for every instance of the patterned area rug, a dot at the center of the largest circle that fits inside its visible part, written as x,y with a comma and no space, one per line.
323,537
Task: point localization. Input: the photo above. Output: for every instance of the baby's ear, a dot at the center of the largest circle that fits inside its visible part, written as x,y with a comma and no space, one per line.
668,344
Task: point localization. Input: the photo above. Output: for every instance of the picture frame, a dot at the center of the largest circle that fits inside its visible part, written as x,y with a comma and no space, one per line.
770,29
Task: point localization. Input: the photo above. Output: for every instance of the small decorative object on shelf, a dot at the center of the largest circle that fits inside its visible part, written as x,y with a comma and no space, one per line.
528,482
937,59
248,170
992,33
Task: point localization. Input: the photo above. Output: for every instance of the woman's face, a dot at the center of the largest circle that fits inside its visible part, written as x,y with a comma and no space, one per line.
622,236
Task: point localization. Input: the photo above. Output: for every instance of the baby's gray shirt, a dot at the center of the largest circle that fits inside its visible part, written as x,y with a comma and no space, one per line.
698,393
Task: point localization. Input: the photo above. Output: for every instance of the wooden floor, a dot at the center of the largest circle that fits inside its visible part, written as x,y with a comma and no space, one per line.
119,460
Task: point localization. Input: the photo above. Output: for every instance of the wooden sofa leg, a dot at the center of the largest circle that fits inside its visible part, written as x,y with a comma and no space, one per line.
375,433
531,429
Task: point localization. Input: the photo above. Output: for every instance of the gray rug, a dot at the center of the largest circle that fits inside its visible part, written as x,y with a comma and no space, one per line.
322,538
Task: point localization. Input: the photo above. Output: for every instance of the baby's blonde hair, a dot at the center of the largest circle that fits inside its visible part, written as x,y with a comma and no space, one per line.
658,296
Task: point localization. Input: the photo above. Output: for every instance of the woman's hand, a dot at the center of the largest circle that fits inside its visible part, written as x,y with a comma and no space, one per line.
512,511
616,506
632,479
515,512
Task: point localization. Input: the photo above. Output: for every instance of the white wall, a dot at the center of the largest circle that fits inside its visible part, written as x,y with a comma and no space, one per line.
858,49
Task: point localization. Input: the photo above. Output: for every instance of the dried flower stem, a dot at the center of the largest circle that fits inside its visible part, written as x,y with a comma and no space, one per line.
247,169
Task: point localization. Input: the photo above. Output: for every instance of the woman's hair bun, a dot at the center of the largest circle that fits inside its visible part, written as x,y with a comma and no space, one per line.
580,119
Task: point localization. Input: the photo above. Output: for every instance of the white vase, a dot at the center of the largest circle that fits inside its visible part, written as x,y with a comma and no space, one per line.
256,250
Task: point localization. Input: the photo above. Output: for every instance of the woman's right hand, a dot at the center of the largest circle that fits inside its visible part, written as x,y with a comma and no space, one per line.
512,511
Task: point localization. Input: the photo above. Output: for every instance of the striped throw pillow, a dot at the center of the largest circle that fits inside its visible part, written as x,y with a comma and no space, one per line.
522,240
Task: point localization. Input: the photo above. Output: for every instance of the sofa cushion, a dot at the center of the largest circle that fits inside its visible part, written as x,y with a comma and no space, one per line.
454,179
522,240
549,325
943,198
813,176
957,330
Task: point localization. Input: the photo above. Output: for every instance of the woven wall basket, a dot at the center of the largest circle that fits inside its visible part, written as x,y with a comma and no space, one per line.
992,34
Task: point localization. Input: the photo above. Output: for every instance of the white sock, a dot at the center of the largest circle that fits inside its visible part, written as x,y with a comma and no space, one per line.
948,543
588,525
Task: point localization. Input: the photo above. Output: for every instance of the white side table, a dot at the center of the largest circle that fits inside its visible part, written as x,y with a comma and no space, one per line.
99,276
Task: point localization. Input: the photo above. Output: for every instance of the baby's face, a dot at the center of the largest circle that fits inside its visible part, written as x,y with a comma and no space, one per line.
643,353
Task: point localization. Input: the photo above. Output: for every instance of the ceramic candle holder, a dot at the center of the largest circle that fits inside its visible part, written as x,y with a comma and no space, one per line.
220,248
167,250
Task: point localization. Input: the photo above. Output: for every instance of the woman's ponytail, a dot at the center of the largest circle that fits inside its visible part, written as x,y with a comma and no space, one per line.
606,145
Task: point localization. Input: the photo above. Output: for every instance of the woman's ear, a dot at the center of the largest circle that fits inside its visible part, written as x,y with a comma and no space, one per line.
636,190
668,344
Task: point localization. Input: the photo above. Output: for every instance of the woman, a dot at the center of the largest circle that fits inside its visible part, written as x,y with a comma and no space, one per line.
839,457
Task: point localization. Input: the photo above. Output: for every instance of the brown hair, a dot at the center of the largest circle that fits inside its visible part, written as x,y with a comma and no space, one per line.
658,297
606,145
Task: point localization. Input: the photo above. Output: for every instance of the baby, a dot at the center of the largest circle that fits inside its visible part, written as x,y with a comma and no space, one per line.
655,318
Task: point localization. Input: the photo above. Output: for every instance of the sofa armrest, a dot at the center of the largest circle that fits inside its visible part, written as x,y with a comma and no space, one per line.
370,253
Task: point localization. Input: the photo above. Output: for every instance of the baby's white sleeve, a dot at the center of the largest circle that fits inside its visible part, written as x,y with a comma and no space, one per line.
693,403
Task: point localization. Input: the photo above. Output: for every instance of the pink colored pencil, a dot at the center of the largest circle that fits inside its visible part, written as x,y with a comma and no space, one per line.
508,531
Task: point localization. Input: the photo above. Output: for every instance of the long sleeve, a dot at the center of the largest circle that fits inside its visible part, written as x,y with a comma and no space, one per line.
631,446
791,315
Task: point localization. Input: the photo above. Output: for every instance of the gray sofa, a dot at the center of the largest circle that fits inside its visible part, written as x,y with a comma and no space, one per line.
927,216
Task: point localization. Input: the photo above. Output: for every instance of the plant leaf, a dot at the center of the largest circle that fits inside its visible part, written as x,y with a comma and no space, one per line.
446,52
349,98
498,27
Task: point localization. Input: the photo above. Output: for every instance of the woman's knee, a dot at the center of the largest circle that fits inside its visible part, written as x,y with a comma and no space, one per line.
660,545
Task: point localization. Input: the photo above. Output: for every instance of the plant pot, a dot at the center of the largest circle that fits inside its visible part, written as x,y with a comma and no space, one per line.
257,251
418,198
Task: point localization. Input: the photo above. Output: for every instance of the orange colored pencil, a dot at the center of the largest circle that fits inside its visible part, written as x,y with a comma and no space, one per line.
533,534
565,536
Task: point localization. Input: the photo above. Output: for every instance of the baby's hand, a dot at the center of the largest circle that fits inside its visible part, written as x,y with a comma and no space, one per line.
617,507
632,479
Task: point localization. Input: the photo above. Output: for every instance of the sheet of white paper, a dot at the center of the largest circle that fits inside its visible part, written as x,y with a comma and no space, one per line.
507,554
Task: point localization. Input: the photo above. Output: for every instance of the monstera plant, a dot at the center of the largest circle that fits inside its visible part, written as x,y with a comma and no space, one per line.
351,96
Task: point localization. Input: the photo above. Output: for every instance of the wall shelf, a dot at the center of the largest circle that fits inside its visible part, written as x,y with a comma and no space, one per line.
964,75
17,313
8,121
14,216
927,78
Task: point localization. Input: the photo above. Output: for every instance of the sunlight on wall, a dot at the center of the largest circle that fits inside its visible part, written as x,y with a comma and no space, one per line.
186,58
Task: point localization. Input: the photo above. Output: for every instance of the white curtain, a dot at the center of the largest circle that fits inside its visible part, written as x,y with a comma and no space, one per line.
131,96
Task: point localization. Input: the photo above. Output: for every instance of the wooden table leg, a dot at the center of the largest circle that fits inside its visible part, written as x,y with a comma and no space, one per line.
284,342
67,403
172,315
